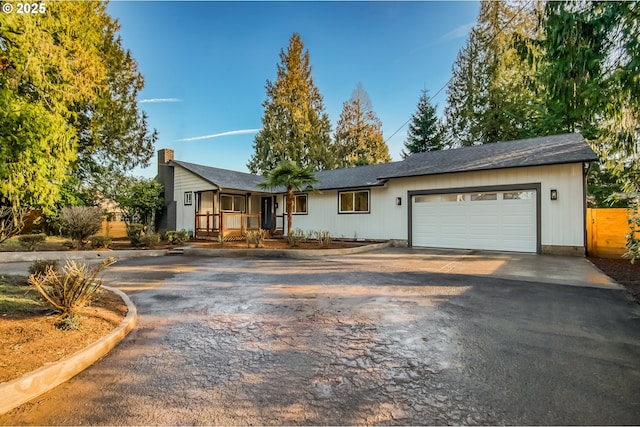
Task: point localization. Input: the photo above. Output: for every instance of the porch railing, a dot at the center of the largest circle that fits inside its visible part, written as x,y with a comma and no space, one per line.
226,224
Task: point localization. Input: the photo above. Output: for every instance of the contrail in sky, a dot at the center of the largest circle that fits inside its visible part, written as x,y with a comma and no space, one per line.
154,100
216,135
458,32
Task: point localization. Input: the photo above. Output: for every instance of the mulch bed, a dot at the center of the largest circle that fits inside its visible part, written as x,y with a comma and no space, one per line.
623,272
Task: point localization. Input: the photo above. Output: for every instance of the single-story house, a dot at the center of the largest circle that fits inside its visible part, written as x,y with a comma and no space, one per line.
524,196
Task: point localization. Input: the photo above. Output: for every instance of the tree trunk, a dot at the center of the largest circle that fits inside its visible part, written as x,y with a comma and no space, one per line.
290,201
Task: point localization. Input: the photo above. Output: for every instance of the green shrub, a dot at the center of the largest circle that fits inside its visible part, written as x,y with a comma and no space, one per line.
256,237
149,240
80,222
100,242
633,237
296,237
177,237
41,266
30,241
70,289
135,233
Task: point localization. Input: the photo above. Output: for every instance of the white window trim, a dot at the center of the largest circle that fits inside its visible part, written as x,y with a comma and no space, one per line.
188,198
233,203
340,193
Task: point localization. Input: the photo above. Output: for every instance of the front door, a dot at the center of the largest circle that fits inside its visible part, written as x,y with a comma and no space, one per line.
266,212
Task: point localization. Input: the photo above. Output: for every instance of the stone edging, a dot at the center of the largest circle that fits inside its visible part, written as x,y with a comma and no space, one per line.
31,385
285,253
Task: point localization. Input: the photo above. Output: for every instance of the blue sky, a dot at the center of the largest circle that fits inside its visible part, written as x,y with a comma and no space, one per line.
206,63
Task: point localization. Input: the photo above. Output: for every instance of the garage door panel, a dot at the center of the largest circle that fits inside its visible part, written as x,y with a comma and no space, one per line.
492,221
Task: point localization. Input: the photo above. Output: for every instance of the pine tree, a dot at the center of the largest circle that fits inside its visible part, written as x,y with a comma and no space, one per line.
465,95
294,125
358,137
491,97
590,75
425,133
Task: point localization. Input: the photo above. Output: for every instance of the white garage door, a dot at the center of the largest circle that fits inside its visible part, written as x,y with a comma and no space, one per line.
496,220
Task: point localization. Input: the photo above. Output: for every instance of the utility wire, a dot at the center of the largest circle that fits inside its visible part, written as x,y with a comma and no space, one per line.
451,78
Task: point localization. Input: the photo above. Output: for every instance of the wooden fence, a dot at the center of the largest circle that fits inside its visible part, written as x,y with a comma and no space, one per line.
606,231
115,229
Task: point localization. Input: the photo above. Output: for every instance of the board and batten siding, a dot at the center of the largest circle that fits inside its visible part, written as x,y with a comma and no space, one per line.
562,220
187,181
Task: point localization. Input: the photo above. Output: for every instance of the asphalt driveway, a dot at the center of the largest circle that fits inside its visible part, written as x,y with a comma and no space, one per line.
391,337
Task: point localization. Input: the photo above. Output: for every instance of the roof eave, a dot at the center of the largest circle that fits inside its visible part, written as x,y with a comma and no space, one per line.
491,168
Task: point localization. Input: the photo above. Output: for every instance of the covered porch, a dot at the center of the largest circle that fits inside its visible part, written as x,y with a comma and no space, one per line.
232,214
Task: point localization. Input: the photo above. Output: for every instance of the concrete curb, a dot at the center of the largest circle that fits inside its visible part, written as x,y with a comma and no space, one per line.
6,257
29,386
284,253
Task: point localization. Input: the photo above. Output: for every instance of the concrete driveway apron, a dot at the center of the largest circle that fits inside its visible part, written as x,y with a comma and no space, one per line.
397,336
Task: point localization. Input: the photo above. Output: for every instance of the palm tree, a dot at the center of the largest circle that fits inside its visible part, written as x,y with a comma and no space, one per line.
294,178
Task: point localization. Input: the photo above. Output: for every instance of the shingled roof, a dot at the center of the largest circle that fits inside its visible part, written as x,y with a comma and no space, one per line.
546,150
224,178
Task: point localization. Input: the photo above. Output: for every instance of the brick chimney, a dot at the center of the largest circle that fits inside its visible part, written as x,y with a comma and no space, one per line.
164,156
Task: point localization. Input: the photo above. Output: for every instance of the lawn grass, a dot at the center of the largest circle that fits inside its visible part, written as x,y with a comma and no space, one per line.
16,296
53,243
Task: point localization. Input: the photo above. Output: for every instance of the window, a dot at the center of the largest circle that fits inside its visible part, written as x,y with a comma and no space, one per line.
231,203
518,195
188,198
453,197
353,202
299,203
426,199
475,197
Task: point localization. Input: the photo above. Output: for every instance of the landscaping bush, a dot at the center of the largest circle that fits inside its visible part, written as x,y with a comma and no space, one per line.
177,237
70,289
100,242
296,237
323,237
80,222
30,241
256,237
149,240
135,233
41,266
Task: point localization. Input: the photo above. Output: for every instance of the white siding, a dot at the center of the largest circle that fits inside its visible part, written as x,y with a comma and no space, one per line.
187,181
562,220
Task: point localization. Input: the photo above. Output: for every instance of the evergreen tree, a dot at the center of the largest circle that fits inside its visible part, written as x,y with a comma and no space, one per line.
465,95
358,135
590,75
490,96
294,125
59,72
425,133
